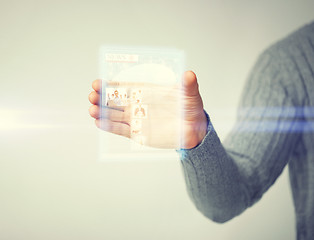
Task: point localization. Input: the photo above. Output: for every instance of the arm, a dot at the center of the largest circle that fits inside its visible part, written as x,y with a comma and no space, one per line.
224,179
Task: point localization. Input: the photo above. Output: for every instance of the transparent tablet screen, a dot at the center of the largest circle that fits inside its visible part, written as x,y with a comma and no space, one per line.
140,103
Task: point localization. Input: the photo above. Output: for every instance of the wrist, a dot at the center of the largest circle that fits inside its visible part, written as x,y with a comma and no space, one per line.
197,131
201,128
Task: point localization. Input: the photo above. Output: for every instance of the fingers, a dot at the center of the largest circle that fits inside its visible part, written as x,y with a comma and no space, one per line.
111,104
94,111
94,98
190,84
97,85
110,114
116,115
113,127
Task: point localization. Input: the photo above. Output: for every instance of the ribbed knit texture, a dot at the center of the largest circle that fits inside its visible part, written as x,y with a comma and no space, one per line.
275,127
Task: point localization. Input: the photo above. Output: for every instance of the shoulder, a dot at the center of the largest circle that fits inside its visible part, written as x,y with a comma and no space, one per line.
294,45
284,66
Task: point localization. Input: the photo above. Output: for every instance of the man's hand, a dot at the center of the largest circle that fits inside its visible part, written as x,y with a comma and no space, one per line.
165,126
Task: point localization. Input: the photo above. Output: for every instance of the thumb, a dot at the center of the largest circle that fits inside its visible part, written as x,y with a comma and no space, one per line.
195,121
190,85
193,104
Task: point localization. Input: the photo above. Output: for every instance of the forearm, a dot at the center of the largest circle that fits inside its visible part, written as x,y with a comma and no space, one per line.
213,180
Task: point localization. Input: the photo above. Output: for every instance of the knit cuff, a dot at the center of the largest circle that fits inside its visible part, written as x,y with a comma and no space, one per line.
210,131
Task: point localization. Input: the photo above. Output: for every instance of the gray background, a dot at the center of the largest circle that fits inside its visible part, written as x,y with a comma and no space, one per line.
51,184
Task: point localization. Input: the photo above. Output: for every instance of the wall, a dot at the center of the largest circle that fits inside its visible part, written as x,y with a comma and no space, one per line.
51,184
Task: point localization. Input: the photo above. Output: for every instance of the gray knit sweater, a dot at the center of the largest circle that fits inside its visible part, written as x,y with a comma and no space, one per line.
275,127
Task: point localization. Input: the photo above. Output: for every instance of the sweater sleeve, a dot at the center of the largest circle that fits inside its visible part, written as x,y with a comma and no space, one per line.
223,179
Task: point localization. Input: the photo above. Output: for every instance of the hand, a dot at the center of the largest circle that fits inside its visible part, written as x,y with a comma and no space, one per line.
160,127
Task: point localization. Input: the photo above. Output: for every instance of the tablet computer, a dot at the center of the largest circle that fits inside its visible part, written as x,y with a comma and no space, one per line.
141,96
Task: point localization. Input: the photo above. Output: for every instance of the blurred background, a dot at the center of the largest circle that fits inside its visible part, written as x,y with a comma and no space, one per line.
52,185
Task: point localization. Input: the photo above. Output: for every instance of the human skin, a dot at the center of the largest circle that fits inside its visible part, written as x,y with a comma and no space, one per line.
193,119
